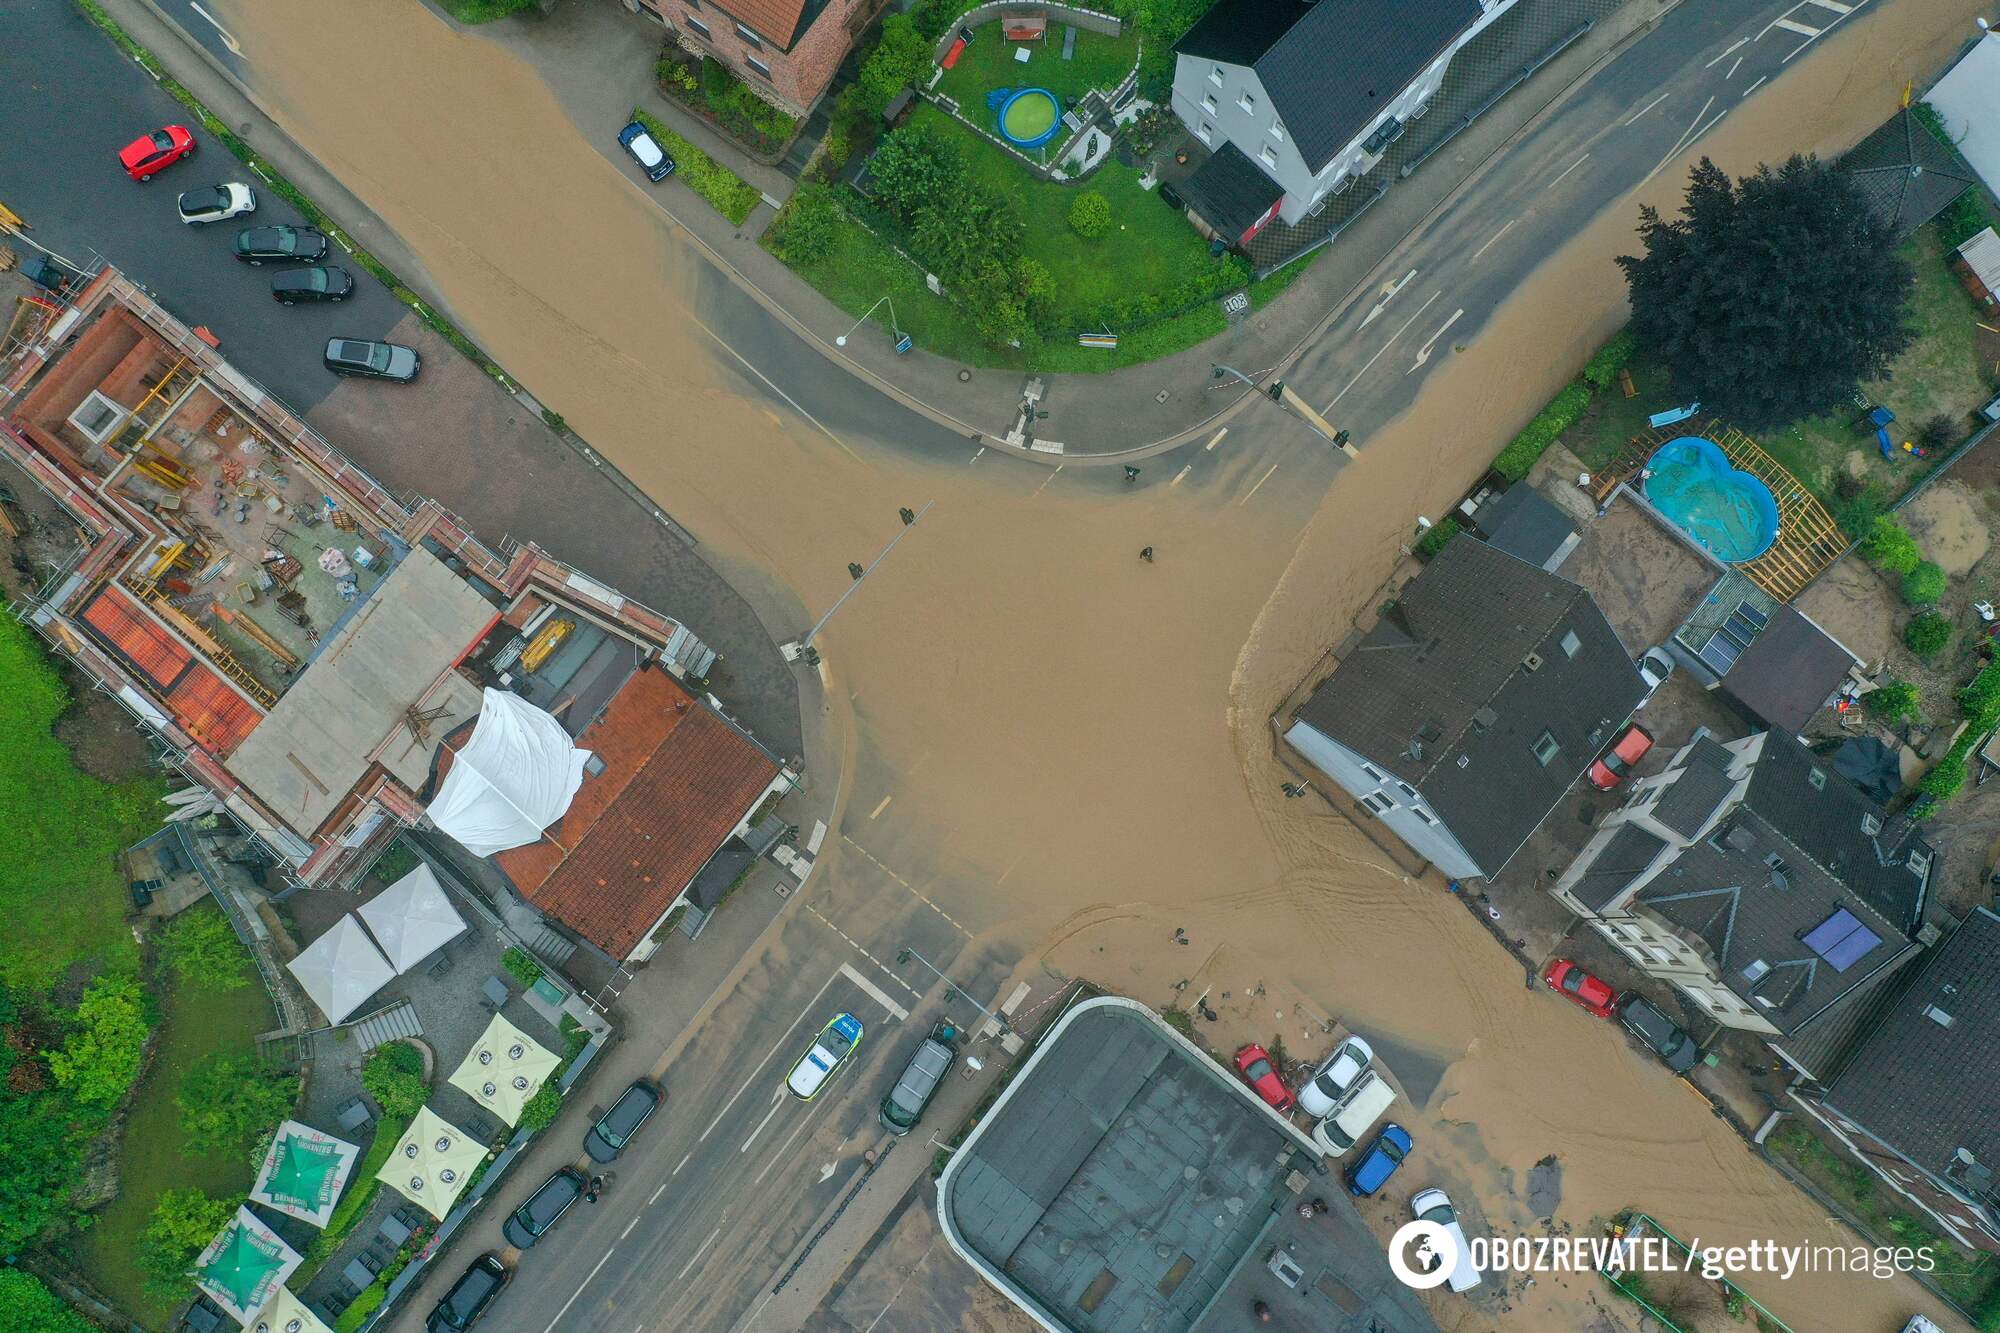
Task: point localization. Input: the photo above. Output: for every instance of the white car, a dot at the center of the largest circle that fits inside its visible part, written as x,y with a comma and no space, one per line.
217,203
1654,668
829,1051
1435,1206
1335,1077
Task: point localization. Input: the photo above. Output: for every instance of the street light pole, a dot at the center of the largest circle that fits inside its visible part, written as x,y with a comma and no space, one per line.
841,341
998,1020
1285,397
803,648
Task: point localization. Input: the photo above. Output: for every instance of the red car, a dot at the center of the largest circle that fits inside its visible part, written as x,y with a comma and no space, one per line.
1254,1063
1573,983
150,154
1611,769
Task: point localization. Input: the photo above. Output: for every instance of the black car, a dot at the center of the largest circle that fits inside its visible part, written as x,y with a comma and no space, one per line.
615,1128
1660,1034
256,245
321,282
532,1220
917,1084
469,1296
377,360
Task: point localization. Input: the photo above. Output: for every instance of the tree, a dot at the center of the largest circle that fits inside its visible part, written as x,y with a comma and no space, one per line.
394,1077
183,1223
40,1159
915,166
1889,547
1893,700
231,1103
100,1059
29,1307
201,948
808,226
1090,215
1925,636
1923,585
900,58
1773,298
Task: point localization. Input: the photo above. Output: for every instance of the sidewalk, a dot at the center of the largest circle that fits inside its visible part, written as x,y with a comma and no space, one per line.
598,60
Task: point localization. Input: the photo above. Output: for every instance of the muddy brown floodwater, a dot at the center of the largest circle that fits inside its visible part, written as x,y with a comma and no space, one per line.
1083,738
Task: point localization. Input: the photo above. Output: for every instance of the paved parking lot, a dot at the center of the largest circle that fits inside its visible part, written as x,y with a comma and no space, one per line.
454,435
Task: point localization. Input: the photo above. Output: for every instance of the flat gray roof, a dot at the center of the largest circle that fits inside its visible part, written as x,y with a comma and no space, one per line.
305,756
1125,1183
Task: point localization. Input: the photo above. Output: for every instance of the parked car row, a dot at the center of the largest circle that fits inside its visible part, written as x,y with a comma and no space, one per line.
150,154
1644,1020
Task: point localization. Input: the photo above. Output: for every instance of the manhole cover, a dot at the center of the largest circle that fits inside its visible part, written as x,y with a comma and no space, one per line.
964,377
1162,396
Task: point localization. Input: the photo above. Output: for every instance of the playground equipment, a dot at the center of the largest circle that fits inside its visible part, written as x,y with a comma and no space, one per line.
1879,418
1027,117
1672,416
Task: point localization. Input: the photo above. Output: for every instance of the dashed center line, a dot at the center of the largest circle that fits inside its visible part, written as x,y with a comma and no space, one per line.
1216,440
883,806
628,1228
698,1253
904,882
1260,483
1566,170
1496,236
1733,48
856,946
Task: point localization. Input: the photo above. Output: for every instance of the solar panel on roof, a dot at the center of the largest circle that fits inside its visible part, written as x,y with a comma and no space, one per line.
1752,614
1841,940
1740,628
1719,654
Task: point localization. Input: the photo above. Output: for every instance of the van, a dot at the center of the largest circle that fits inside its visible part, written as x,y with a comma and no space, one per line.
905,1103
1370,1101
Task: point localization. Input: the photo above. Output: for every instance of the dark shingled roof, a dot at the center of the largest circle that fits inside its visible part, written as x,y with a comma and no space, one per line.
1439,692
1230,192
1523,522
1686,805
1329,67
1630,850
1906,174
1927,1089
1788,672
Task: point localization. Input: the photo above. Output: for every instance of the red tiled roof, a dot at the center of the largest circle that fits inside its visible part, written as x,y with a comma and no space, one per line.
773,20
677,779
139,639
215,715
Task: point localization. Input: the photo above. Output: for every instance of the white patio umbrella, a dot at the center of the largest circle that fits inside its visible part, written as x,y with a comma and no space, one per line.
432,1163
286,1313
412,918
341,969
504,1069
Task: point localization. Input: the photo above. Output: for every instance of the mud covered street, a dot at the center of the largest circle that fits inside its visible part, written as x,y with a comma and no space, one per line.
1078,744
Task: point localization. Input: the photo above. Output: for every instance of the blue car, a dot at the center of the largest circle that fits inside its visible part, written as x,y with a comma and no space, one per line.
637,140
1372,1171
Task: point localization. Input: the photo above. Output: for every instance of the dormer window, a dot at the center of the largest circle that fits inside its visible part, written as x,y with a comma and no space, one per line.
1215,75
1247,102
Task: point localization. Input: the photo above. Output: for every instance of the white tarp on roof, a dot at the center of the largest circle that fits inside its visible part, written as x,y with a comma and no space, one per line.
341,969
1968,100
504,1068
513,779
412,919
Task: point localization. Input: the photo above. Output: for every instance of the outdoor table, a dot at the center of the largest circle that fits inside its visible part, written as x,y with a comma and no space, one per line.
357,1276
395,1230
496,992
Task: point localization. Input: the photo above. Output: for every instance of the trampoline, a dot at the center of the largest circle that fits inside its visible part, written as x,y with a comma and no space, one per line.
1731,513
1030,117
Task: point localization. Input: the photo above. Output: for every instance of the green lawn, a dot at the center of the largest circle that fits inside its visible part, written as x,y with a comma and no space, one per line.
1939,373
60,891
484,11
195,1022
988,63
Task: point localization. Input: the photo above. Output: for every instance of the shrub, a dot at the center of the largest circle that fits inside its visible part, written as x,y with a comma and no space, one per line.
806,228
522,965
1610,359
1923,585
201,949
1090,215
357,1311
1889,548
1925,636
1893,701
184,1221
99,1061
554,421
230,1104
838,145
542,1108
902,56
1535,438
915,168
733,197
1434,539
1979,698
27,1305
1935,432
1943,781
394,1077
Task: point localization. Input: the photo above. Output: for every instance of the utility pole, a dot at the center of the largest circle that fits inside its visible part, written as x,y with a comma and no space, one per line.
1283,394
998,1020
803,649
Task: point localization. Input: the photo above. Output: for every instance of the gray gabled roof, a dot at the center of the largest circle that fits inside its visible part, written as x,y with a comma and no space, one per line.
1331,67
1441,693
1789,671
1926,1088
1628,852
1704,782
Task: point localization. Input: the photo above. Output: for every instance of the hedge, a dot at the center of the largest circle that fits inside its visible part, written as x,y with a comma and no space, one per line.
1979,700
1535,438
1433,541
1603,368
733,197
357,1311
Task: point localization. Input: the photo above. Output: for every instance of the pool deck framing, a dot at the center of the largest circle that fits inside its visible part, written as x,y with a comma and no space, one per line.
1808,539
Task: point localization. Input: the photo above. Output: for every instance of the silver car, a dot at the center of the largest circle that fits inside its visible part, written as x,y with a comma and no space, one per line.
1335,1077
919,1081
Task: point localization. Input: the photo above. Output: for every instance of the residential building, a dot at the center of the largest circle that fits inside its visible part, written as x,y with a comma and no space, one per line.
1481,693
298,642
1759,882
786,51
1310,93
1769,660
1918,1098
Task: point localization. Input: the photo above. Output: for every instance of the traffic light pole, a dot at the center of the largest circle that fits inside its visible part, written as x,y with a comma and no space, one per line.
1283,395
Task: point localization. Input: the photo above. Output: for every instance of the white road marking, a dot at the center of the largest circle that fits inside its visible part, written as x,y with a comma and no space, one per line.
813,1004
1014,999
1385,347
817,423
677,1170
663,1187
880,808
818,837
881,996
1648,107
1424,352
579,1290
1182,473
1496,236
1734,66
628,1228
1835,6
826,1172
784,1147
1792,25
700,1252
760,1127
1051,477
1216,440
1755,86
1387,297
975,457
228,38
1260,483
1733,47
1566,170
855,945
1688,136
